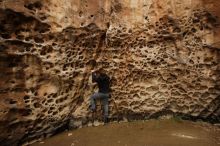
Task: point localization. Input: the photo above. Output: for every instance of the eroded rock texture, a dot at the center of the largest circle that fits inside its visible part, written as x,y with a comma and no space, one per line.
163,57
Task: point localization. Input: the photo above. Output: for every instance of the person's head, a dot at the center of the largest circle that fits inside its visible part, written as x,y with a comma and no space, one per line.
98,71
92,63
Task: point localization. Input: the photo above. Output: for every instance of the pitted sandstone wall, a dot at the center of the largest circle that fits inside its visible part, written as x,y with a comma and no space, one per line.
163,57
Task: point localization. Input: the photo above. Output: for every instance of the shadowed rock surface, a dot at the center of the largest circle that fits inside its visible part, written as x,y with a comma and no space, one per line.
163,58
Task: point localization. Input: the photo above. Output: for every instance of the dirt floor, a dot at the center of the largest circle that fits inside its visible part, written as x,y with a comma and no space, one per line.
140,133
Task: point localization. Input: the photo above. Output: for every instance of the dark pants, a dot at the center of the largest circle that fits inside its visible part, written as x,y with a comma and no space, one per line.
104,98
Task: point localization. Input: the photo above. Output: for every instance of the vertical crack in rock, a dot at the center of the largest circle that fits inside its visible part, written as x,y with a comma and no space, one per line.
162,56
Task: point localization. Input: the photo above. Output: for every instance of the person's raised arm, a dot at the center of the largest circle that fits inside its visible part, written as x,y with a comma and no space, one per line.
94,77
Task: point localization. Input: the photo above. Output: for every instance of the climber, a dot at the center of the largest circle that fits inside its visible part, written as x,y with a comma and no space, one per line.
103,82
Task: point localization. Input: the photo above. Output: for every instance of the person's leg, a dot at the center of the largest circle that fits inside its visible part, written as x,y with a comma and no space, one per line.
105,105
92,100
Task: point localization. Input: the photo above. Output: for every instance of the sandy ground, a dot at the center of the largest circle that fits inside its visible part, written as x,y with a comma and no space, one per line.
140,133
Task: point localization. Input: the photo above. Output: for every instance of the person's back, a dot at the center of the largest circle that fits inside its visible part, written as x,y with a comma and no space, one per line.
103,82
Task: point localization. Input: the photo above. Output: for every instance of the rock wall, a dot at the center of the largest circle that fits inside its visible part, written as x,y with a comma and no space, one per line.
163,58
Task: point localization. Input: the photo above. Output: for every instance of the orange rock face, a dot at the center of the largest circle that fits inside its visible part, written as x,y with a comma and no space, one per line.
163,57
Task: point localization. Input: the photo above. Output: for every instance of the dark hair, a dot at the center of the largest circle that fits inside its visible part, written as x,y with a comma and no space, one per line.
92,62
101,71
